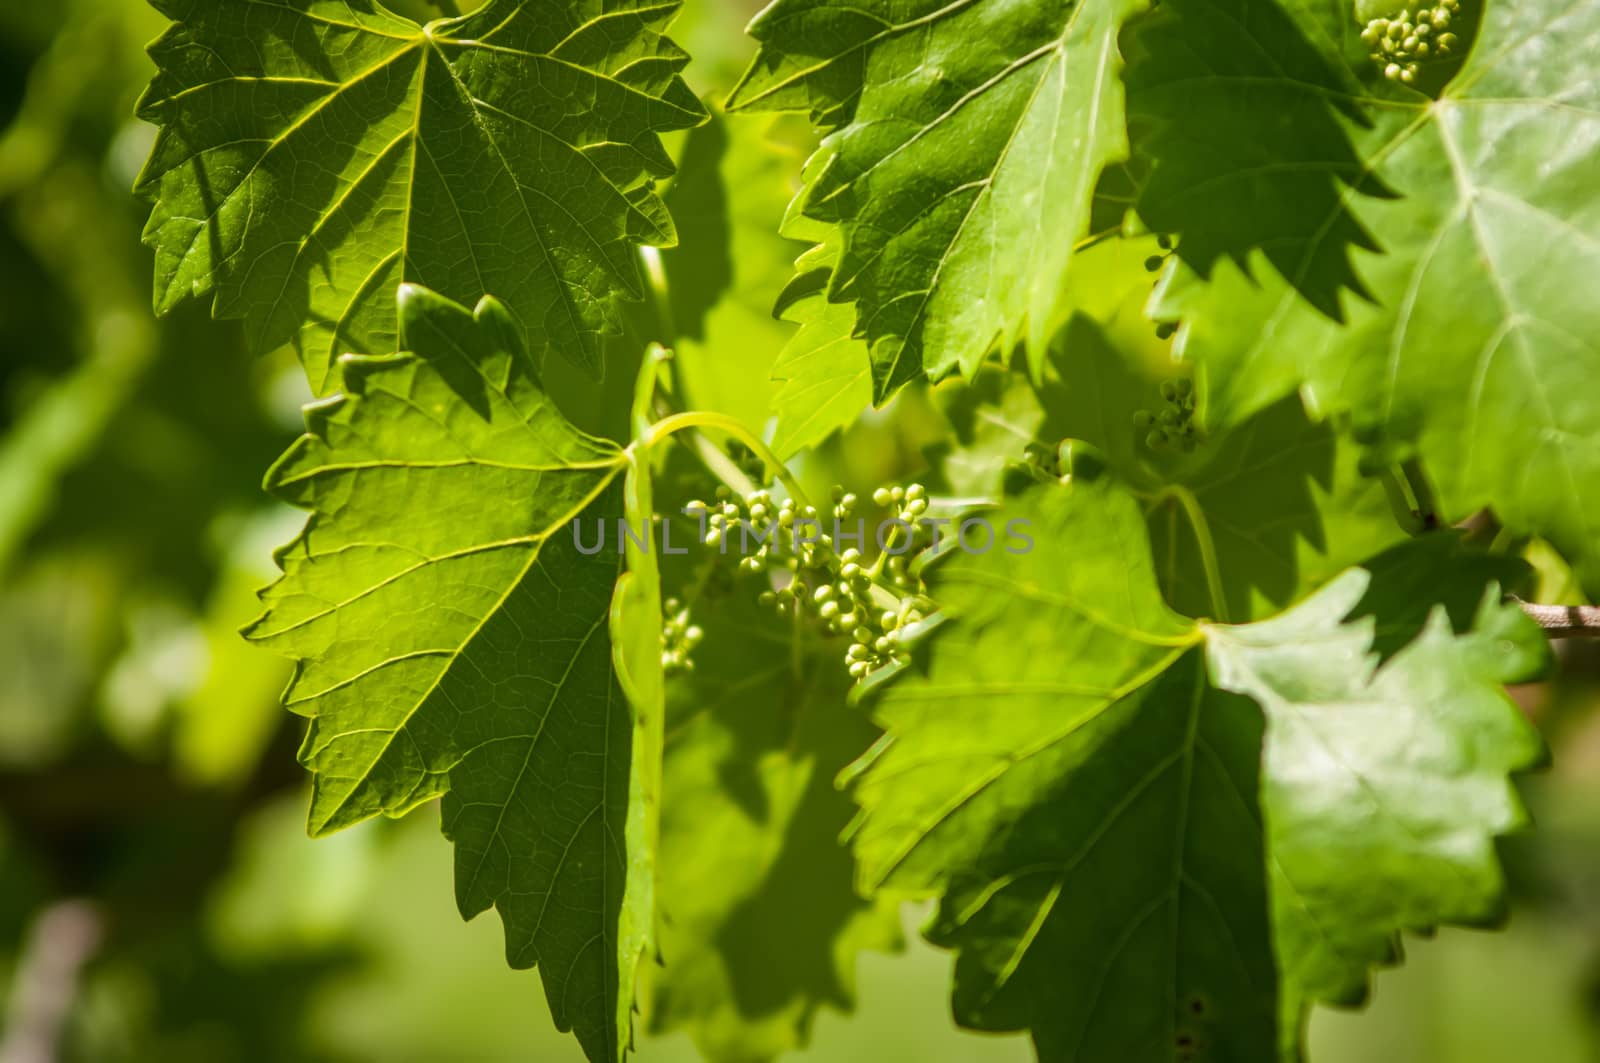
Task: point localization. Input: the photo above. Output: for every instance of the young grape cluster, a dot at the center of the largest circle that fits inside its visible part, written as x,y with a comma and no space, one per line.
869,602
679,637
1402,43
1173,425
1070,459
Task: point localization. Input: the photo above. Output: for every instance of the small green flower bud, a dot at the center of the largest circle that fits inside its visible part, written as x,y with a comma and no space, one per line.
1143,419
1153,263
881,497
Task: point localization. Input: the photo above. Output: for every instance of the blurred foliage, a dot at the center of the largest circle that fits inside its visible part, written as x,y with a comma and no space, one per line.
146,769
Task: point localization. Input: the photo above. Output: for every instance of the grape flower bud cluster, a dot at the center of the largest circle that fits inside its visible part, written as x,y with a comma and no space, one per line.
679,637
1401,43
1173,425
868,602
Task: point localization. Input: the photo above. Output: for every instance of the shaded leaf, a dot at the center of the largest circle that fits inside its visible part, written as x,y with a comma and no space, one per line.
1283,499
1472,346
761,921
728,201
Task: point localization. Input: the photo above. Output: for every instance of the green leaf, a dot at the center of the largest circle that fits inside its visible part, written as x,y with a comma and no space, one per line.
1384,786
315,153
1085,804
728,201
825,370
1082,776
968,140
451,639
1436,289
1282,497
761,925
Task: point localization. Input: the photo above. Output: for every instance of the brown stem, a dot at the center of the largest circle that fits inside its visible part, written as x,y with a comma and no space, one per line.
1564,621
64,939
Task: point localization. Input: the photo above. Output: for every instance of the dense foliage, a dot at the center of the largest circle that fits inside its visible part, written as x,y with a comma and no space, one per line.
1234,310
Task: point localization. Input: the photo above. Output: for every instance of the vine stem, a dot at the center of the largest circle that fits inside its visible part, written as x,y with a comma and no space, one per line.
705,419
1564,621
1208,550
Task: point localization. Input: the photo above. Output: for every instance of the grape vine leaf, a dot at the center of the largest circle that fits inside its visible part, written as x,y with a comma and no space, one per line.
313,154
825,370
1460,330
728,201
1285,503
1282,495
1082,776
1384,786
1084,802
966,142
450,639
750,865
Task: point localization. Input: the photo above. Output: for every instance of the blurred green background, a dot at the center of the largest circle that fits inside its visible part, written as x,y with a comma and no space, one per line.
159,899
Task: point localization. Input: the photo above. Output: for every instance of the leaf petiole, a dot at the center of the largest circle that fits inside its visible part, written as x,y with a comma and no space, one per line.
705,419
1208,550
